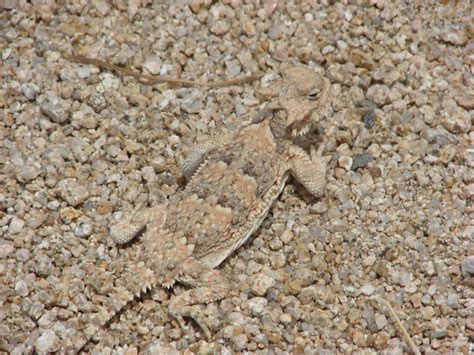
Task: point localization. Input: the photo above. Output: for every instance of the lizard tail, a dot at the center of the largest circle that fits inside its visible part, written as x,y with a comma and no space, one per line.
134,280
94,306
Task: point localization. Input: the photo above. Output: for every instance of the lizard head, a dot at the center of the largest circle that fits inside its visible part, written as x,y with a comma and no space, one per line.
303,95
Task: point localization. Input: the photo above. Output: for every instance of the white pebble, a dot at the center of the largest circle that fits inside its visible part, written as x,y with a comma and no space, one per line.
367,289
47,342
22,288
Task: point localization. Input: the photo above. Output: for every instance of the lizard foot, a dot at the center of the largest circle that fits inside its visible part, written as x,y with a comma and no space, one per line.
208,286
195,313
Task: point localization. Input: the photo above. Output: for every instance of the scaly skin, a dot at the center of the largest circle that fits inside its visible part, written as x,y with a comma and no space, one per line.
230,191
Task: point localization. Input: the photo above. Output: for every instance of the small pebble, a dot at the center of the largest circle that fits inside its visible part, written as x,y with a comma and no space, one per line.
220,27
285,318
415,300
379,94
257,305
456,37
369,118
439,136
43,265
22,288
83,71
23,254
360,161
6,249
380,321
345,162
30,91
439,334
411,287
261,284
367,290
458,123
153,66
468,265
27,173
97,101
73,192
452,300
55,111
83,229
192,102
428,312
102,7
68,214
16,225
239,342
370,260
47,342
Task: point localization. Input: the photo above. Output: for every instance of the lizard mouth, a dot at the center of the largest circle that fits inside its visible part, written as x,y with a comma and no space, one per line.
299,127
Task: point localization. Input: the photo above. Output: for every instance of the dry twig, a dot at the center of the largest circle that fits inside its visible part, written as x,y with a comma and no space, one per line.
150,79
405,334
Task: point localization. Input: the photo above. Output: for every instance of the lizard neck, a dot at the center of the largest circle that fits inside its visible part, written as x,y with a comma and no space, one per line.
278,125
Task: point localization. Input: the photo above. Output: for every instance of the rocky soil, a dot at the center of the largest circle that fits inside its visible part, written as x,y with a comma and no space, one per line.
79,146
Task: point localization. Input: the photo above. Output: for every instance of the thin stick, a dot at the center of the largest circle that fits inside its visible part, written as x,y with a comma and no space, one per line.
157,78
407,337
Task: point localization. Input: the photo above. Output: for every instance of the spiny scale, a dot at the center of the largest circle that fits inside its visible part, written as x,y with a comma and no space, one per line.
236,184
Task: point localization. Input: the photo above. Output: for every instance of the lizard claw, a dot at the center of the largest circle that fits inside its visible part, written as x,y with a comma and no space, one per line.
180,321
317,154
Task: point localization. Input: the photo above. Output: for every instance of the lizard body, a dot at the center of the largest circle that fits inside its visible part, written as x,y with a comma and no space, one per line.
231,188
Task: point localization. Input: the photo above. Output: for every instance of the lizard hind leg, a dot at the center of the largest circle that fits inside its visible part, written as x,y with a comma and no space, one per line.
208,285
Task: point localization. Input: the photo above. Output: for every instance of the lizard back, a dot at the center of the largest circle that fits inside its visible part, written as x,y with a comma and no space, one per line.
228,197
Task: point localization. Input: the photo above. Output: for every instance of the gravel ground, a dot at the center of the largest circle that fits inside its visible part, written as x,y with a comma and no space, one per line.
79,145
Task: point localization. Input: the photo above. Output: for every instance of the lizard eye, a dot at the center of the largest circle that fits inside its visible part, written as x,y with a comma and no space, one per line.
314,94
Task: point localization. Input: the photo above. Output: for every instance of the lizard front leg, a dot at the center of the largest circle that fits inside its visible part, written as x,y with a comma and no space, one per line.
197,156
309,171
126,230
208,285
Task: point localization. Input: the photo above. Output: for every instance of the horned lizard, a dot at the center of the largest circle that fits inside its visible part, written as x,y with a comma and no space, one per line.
231,187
